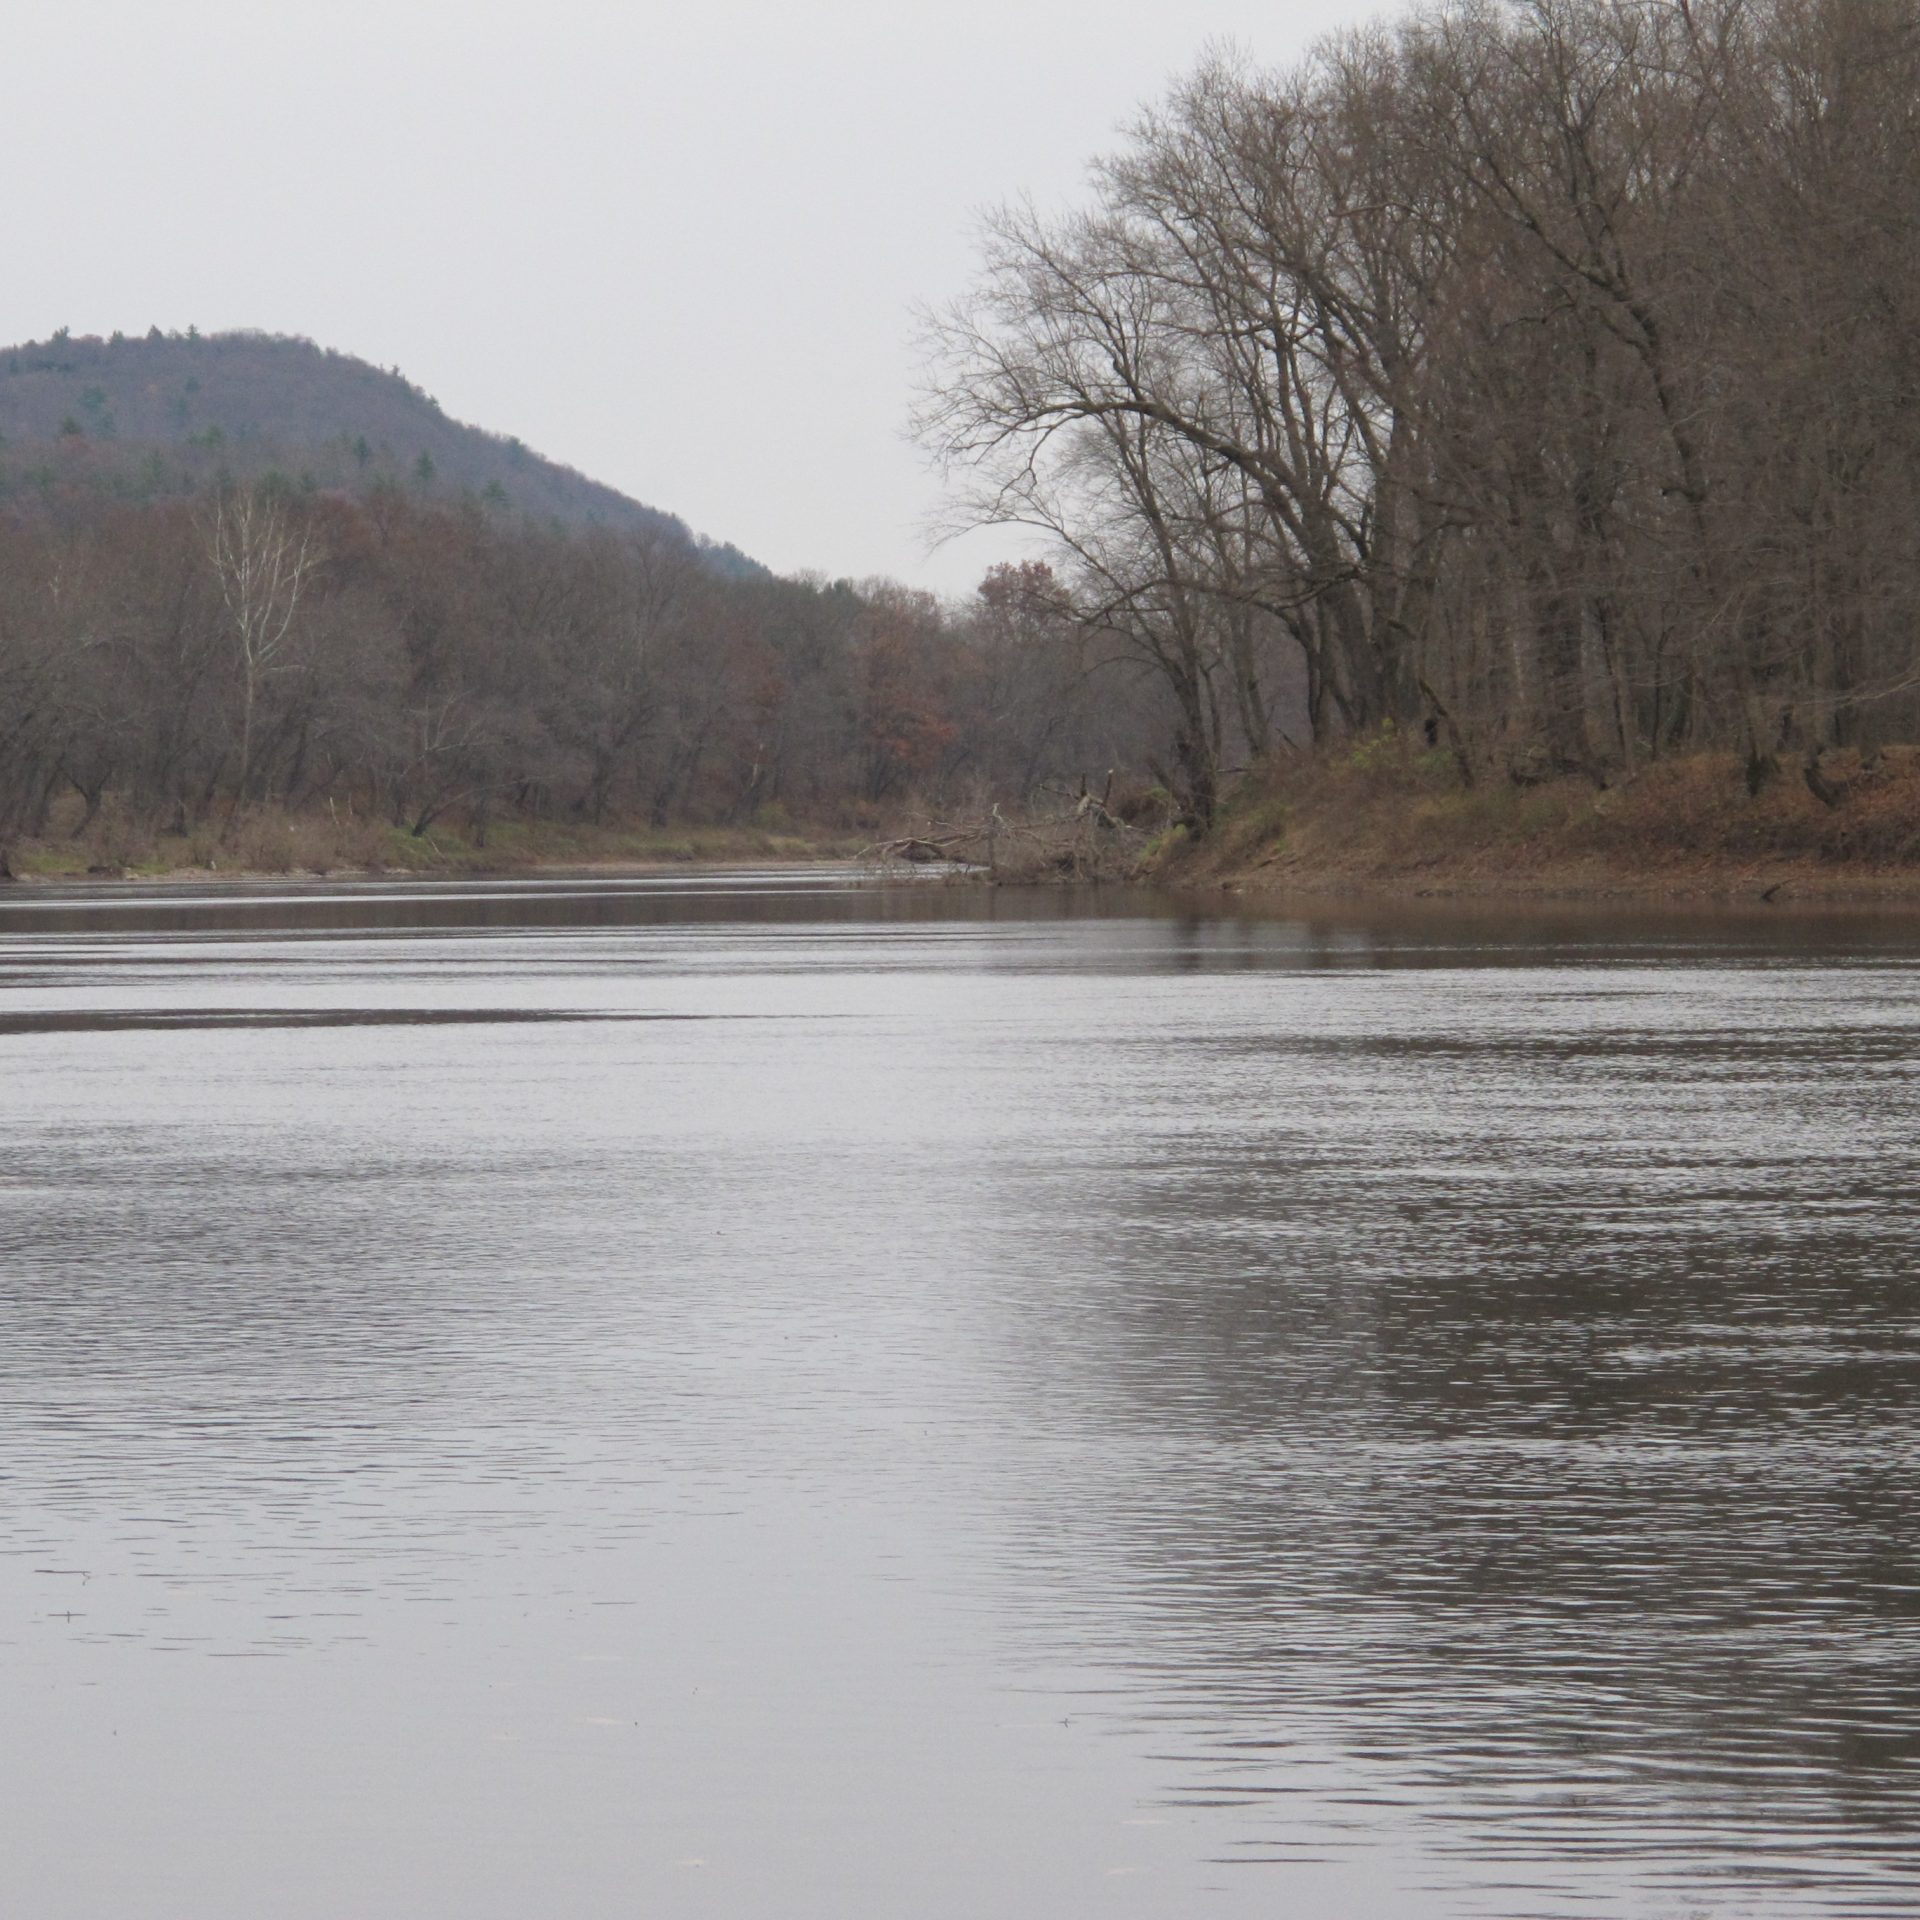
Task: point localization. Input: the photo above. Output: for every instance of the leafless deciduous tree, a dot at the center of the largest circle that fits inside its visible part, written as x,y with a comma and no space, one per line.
1543,375
264,563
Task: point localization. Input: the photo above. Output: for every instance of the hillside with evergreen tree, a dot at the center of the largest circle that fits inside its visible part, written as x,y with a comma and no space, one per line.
141,419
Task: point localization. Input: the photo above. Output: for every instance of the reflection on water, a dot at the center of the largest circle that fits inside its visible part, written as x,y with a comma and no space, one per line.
767,1396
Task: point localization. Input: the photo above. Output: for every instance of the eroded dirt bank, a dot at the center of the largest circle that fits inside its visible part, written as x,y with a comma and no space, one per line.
1404,824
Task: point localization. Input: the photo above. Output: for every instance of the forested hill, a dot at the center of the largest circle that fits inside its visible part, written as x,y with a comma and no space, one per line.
141,418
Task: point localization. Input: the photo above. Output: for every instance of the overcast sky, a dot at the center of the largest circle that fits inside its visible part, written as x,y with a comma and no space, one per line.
677,247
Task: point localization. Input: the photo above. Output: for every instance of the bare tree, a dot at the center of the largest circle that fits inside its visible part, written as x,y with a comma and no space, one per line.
264,564
1533,368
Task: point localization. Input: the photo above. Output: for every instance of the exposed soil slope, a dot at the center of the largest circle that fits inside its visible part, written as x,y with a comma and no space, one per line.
1390,822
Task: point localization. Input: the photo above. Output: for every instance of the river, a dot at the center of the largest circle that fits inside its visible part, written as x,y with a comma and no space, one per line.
756,1395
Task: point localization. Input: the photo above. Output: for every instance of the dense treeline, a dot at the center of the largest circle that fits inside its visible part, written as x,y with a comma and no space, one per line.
186,663
1544,376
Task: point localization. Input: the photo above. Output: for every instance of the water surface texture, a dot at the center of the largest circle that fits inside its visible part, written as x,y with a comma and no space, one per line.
758,1396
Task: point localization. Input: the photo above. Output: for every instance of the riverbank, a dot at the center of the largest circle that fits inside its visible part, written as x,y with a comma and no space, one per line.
1388,821
278,845
1382,821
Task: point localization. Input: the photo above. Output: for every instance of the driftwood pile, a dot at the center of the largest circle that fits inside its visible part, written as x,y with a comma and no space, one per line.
1075,838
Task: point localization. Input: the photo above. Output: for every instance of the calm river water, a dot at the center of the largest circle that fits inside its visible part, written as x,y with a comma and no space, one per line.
750,1396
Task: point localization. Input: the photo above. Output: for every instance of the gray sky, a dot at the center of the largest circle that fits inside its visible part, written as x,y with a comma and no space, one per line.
675,247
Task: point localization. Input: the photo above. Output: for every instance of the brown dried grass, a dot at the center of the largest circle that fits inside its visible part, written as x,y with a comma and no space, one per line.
1683,828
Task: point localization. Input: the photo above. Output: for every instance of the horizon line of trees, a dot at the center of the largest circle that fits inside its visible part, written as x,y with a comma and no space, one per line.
136,418
1541,376
187,661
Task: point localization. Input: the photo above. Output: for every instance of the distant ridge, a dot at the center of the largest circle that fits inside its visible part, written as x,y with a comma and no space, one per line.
139,418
